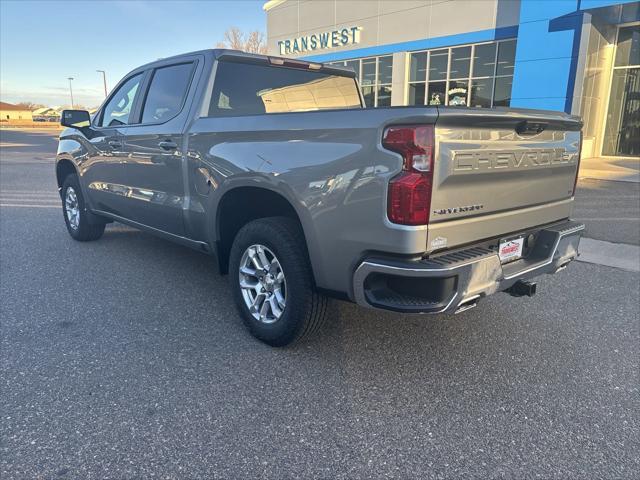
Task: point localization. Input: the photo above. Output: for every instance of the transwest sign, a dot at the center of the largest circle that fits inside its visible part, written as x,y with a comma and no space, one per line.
320,41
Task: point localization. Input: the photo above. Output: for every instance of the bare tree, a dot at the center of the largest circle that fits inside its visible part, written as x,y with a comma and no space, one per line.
30,105
236,39
256,43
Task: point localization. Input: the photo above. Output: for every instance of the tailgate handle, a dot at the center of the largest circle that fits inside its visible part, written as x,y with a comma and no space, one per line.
530,128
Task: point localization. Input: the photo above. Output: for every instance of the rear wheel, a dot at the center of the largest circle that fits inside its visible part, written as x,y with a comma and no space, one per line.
80,224
272,282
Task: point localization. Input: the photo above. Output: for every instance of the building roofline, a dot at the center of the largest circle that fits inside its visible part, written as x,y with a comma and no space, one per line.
272,4
11,107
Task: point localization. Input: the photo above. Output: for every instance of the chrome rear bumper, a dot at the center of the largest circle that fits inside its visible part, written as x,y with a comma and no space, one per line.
456,281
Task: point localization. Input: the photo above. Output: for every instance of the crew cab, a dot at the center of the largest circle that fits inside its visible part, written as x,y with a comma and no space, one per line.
275,167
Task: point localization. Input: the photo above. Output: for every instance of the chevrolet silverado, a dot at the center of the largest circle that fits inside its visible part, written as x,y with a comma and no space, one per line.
300,193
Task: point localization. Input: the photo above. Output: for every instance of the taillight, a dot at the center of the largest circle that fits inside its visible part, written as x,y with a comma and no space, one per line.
409,197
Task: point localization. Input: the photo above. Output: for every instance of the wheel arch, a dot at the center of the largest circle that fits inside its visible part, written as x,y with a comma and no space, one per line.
243,204
64,167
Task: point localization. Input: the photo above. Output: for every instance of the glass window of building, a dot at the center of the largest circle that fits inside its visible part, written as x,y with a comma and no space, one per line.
505,63
374,75
478,75
460,62
622,131
385,68
483,68
438,64
368,81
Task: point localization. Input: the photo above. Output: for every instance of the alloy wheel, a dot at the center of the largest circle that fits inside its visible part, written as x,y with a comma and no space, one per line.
72,208
263,284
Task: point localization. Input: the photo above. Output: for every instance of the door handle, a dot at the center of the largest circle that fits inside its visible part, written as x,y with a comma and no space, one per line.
168,145
114,144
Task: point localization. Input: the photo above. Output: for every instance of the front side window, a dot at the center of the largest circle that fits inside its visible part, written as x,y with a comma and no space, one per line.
167,92
250,89
118,109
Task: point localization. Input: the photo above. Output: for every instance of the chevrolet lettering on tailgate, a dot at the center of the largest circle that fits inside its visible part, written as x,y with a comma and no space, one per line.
481,160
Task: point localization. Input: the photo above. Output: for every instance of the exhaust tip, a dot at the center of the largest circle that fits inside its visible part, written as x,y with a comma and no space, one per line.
467,304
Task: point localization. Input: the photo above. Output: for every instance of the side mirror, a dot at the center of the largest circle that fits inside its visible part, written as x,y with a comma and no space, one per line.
75,118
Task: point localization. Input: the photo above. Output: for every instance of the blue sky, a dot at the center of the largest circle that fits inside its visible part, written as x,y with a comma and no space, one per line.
44,42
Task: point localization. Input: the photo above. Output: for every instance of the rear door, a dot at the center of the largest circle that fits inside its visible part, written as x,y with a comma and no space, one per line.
153,168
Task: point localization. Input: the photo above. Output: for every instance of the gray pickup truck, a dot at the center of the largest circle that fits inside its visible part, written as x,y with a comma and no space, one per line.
275,167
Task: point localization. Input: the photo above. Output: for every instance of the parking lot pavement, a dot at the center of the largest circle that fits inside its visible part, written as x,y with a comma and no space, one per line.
610,210
124,358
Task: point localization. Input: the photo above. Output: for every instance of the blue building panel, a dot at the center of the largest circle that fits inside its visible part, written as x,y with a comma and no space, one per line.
589,4
545,80
548,42
424,44
535,10
540,40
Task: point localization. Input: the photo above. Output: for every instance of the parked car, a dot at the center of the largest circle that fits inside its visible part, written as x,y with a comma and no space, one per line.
274,166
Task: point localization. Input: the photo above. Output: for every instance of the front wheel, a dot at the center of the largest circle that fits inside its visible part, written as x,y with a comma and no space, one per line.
79,224
272,282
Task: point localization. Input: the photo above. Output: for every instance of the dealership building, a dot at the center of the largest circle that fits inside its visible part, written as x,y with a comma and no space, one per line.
577,56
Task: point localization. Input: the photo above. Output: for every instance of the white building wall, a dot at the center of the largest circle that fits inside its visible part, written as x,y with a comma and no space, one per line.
384,22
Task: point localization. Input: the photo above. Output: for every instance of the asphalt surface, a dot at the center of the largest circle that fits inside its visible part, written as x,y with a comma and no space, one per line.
610,210
125,358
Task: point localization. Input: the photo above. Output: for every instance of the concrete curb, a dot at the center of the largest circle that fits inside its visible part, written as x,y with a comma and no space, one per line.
617,255
635,178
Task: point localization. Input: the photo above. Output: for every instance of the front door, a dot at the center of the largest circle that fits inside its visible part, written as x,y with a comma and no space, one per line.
153,167
102,168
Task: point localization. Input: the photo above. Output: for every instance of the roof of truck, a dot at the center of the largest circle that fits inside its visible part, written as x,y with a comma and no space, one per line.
219,52
216,52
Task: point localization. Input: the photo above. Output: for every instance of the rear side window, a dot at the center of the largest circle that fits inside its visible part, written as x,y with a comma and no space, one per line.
166,93
249,89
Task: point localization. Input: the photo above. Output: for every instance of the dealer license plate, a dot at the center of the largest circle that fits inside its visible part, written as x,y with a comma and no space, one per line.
511,249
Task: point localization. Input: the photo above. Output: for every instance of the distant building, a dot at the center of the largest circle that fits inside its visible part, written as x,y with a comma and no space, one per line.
9,112
577,56
46,114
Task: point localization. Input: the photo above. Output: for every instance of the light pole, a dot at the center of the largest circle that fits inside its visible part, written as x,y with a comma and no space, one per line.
71,91
104,80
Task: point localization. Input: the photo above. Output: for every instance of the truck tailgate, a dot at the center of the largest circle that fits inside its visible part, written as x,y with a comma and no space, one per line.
498,172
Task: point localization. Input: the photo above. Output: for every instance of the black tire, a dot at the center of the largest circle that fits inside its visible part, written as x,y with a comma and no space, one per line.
87,228
305,309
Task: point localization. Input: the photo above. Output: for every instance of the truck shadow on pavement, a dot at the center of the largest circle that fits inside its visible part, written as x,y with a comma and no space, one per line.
189,277
182,288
